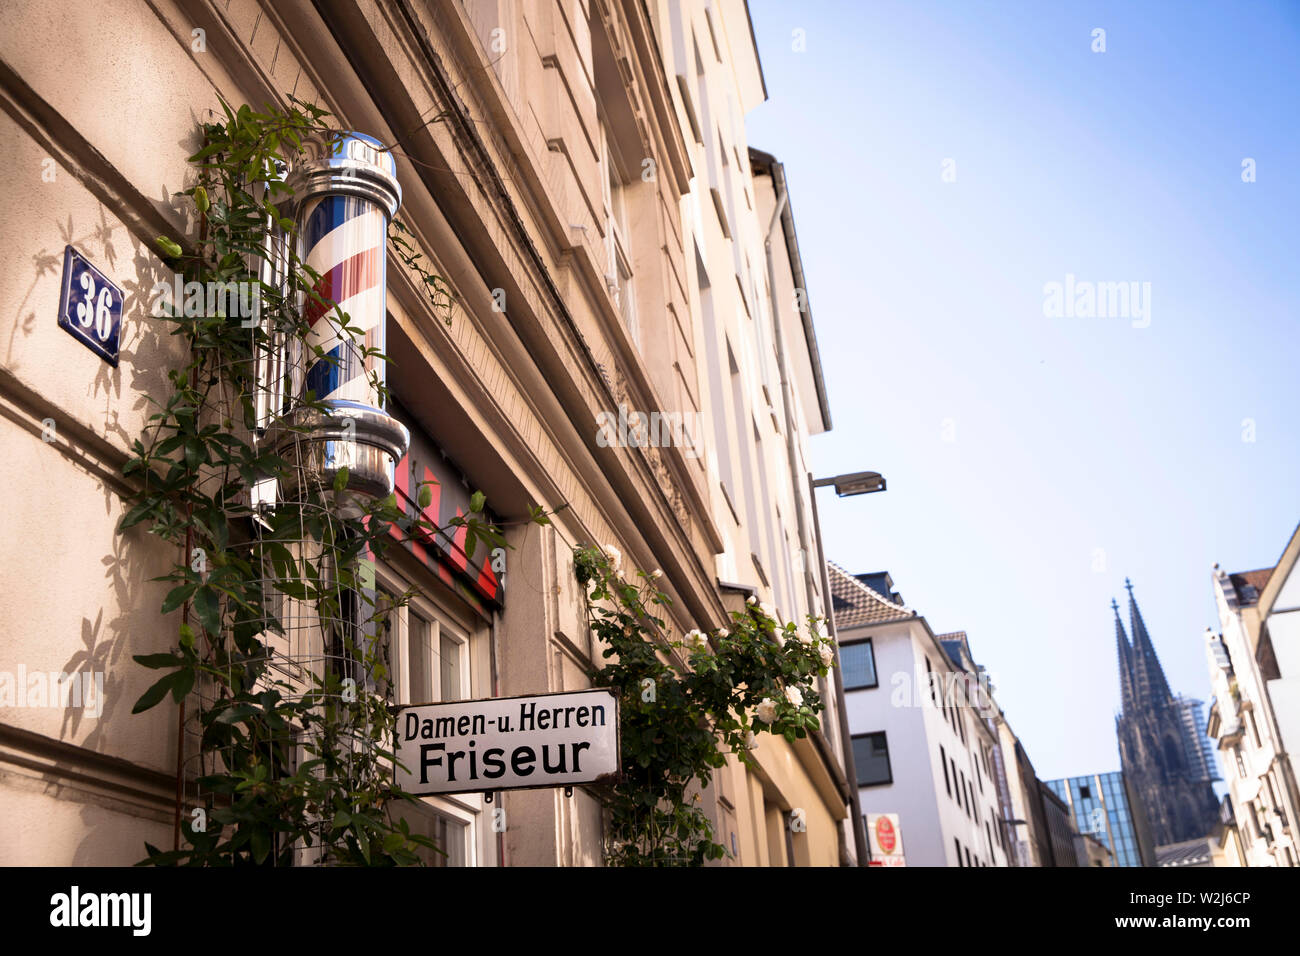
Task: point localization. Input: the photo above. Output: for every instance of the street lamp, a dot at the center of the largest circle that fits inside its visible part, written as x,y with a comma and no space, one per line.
857,483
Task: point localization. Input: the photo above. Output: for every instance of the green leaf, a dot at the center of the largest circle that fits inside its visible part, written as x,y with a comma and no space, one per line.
156,661
177,596
261,844
201,199
208,607
154,694
476,501
169,248
183,681
341,480
425,495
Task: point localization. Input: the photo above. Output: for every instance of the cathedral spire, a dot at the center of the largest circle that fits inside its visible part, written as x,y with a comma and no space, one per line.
1150,676
1125,654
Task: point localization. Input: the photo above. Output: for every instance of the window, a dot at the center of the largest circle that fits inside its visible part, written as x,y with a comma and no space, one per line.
618,264
871,755
450,835
929,679
967,851
437,655
943,762
858,665
952,763
1241,764
970,800
961,791
957,844
436,659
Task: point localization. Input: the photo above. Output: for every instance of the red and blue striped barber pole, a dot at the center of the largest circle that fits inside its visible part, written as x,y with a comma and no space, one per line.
346,199
345,193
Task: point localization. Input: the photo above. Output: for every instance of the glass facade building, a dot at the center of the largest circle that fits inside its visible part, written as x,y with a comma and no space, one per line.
1100,806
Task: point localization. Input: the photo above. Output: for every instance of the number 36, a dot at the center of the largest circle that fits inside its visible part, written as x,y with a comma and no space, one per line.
98,313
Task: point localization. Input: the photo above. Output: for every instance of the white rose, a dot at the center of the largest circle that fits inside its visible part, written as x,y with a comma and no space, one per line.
697,638
723,632
656,574
751,600
805,638
615,556
768,609
827,655
794,695
766,710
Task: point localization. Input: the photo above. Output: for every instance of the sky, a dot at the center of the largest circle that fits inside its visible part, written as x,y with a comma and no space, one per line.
1035,459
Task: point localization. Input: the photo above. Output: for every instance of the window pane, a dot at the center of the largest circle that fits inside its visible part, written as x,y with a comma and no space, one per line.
448,834
419,653
871,756
450,660
859,665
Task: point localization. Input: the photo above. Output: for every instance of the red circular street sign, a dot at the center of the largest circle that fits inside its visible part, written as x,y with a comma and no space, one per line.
885,836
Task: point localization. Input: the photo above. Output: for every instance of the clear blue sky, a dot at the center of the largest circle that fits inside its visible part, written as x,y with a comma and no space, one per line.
1069,434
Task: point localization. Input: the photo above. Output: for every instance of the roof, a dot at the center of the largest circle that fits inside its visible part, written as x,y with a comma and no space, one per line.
953,649
1187,853
1250,584
856,604
957,646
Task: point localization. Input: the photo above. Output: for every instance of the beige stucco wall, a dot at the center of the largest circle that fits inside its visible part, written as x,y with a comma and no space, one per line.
503,193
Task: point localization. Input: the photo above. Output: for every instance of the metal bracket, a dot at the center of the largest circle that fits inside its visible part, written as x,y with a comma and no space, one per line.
568,791
487,797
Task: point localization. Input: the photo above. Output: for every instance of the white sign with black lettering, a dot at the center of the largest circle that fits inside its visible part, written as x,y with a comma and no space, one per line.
506,743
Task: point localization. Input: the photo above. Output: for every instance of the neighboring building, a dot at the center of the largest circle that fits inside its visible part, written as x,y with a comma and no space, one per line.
1200,752
1060,827
1159,755
1020,806
1090,851
1228,847
1254,696
760,394
1103,807
1193,853
579,175
924,746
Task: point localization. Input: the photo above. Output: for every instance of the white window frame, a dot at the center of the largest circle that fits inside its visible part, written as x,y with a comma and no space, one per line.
619,277
473,638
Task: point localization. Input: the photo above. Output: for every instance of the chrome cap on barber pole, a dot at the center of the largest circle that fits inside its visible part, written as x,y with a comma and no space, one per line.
345,194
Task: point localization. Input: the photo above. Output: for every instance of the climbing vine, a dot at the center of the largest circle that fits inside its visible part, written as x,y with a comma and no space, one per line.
677,724
294,754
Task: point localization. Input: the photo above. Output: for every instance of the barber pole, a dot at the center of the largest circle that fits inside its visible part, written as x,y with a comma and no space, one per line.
346,192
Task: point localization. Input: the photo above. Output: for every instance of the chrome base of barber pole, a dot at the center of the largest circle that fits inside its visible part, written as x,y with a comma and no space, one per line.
319,443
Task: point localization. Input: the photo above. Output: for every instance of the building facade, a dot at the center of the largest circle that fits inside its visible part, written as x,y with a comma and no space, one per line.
1103,808
1245,660
560,167
1159,760
919,708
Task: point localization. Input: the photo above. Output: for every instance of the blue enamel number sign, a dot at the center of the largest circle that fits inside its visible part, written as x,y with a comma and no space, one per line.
90,308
